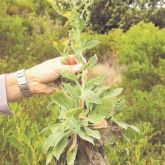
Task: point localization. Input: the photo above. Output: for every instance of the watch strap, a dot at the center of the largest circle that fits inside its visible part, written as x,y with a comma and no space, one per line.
23,83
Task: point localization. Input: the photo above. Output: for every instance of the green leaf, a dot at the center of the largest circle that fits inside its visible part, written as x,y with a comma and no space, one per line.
120,104
70,76
121,124
136,129
74,92
52,140
97,81
101,90
71,156
102,111
92,61
83,135
58,127
63,100
82,24
73,124
49,127
84,122
95,117
57,151
62,114
93,133
115,92
126,126
91,44
74,112
49,157
90,97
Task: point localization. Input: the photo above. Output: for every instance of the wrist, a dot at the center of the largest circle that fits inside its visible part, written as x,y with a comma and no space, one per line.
12,89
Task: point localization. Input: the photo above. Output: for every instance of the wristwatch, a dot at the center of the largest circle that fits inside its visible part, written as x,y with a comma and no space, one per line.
23,83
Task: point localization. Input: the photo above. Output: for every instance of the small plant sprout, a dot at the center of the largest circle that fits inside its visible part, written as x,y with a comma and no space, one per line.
87,108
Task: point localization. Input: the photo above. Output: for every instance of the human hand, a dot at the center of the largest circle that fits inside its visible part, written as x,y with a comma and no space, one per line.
40,76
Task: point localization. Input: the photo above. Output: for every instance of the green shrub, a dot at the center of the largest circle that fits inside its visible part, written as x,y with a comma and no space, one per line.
142,51
3,7
137,150
20,7
13,36
27,40
148,107
20,141
42,31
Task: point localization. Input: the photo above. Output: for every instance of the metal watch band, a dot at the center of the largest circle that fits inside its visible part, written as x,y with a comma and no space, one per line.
23,83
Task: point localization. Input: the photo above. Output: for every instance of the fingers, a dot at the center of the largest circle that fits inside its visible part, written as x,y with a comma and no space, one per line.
72,68
84,60
43,89
71,60
70,64
49,89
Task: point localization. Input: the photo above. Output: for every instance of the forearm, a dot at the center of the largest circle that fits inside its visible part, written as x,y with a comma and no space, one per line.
12,89
9,91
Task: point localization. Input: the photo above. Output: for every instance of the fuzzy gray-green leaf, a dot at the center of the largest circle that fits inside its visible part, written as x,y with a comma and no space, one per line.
49,157
103,110
52,140
71,156
90,97
83,135
91,62
93,133
91,44
57,151
63,100
126,126
97,81
115,92
70,76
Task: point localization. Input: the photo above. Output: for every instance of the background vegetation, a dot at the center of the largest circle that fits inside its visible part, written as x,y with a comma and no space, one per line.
132,44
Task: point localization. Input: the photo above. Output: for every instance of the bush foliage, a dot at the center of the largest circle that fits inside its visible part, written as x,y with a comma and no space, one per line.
142,52
29,31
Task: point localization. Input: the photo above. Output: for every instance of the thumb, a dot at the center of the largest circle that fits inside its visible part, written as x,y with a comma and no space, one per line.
73,68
